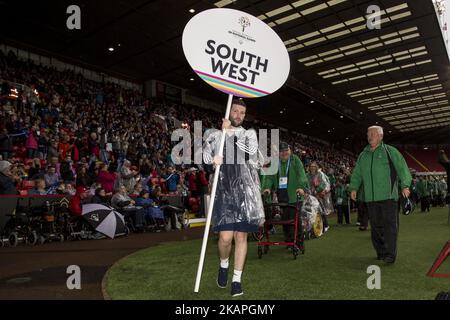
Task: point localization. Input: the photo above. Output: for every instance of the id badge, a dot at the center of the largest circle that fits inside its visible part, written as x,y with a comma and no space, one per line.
339,200
282,184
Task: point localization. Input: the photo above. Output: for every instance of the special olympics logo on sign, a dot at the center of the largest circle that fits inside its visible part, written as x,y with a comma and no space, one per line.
237,63
244,22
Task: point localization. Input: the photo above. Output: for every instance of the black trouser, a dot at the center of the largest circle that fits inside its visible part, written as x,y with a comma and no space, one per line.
384,224
171,215
288,213
343,211
433,200
202,205
442,200
363,216
425,204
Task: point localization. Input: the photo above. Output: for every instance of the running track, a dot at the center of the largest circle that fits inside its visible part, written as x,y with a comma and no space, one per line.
39,272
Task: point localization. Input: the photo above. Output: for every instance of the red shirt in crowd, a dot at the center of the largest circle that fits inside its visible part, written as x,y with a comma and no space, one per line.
75,205
192,178
63,148
106,179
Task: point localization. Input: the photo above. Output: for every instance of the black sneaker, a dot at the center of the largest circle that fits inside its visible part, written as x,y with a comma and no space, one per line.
222,278
389,260
236,289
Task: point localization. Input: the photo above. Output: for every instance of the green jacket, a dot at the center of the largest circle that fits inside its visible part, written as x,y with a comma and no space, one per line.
342,192
296,179
380,177
442,188
432,187
422,188
332,180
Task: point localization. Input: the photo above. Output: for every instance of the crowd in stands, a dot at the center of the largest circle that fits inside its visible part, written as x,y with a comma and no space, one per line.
62,131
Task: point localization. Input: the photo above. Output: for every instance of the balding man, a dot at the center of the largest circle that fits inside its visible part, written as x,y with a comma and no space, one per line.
381,169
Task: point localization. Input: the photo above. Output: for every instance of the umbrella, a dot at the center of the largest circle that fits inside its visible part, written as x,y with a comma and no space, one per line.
104,219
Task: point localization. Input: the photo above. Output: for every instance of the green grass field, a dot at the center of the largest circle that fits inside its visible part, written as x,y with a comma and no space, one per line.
333,267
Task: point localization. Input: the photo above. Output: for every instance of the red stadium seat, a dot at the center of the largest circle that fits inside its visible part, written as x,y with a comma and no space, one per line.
194,204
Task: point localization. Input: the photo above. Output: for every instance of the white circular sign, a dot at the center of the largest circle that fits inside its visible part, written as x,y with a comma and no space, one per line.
236,53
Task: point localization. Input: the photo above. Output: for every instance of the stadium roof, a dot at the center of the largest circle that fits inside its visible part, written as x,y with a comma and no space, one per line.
396,76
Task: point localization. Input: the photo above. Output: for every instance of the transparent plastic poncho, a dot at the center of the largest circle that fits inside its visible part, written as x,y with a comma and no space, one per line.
238,196
324,197
310,209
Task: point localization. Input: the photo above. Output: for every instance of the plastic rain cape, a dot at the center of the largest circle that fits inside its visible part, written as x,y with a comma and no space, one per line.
310,210
238,196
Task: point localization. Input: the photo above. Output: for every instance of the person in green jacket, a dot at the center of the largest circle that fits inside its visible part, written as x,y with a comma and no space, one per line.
423,194
442,191
431,190
288,183
445,162
342,202
381,168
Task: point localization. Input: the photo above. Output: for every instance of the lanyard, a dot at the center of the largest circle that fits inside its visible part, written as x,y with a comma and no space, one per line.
287,168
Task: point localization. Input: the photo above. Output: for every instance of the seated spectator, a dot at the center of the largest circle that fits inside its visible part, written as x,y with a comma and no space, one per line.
60,189
39,188
70,189
153,213
51,178
137,189
169,213
100,197
125,205
7,178
94,187
171,178
76,202
36,171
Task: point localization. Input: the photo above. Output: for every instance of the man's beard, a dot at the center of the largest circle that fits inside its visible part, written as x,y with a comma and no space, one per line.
234,123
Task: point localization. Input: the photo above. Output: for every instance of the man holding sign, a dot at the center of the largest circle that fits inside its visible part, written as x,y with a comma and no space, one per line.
240,55
238,207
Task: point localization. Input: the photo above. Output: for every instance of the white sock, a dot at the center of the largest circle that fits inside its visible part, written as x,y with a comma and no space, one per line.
237,276
224,263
